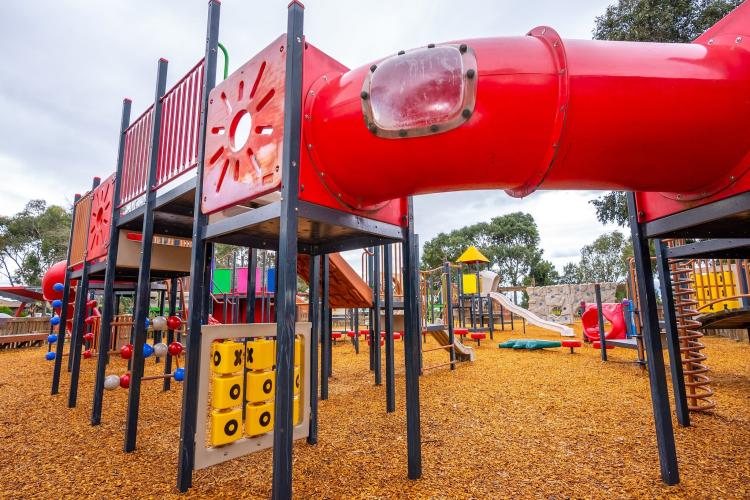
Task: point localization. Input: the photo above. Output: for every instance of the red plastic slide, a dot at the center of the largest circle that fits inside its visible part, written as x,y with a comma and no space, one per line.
612,313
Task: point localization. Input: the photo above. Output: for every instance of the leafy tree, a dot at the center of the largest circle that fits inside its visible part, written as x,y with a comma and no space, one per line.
510,242
611,207
32,240
542,273
605,259
678,21
571,274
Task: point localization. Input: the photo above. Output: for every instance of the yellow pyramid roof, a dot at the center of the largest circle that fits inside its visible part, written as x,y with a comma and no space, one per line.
472,256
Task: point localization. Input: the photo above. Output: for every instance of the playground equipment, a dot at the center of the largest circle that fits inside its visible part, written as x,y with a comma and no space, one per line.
613,313
530,344
529,316
524,112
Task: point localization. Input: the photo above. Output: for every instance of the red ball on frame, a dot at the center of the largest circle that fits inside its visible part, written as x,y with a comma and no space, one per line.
175,348
126,351
125,381
174,322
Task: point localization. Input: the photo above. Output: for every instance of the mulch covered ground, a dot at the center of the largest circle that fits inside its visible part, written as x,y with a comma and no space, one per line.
532,424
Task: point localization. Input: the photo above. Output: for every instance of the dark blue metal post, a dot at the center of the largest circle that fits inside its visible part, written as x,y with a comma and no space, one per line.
157,333
412,349
199,269
325,335
252,263
314,317
286,271
652,338
63,325
143,295
355,327
673,337
79,326
171,311
370,312
390,382
375,339
108,295
602,339
449,314
491,313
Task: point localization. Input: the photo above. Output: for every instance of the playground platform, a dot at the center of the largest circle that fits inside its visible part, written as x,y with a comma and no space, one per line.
513,422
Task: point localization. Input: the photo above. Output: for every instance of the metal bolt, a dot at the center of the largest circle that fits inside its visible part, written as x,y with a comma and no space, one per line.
463,48
431,46
294,163
301,187
364,95
373,67
731,177
402,133
307,117
401,53
711,41
641,213
325,78
309,146
470,73
434,128
338,194
466,113
299,40
372,128
738,39
312,92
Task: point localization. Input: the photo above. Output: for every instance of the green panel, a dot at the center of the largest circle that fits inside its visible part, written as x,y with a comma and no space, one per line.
222,281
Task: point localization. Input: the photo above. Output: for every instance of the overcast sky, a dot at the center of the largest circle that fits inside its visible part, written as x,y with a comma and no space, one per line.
68,64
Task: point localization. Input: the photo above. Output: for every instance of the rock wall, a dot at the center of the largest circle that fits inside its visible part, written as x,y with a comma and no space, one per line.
559,303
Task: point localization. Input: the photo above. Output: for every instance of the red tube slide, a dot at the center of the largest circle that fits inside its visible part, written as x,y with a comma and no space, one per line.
529,112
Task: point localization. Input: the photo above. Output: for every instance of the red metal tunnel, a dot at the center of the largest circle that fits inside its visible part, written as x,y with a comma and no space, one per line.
529,112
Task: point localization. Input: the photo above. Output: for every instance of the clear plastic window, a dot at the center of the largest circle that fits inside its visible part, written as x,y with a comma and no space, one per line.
418,89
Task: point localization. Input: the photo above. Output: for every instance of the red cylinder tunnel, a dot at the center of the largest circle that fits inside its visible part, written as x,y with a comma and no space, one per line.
537,112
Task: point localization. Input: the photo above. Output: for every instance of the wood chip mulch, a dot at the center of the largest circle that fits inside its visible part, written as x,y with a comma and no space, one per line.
513,423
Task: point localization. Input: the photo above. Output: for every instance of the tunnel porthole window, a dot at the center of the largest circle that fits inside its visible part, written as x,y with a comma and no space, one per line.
420,92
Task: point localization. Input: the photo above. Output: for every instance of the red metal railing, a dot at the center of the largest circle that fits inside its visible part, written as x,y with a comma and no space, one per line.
178,149
178,143
135,159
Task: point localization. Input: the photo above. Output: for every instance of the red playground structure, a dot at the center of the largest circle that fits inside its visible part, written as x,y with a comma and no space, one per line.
613,313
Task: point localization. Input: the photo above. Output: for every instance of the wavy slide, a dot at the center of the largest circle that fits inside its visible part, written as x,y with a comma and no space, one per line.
530,317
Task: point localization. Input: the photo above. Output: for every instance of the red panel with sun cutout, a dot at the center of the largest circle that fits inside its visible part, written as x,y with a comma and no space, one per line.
244,127
101,217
